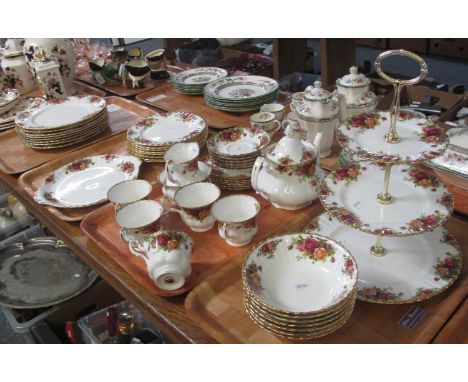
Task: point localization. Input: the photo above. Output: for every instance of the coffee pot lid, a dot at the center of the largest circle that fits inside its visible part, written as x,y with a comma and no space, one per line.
353,79
317,92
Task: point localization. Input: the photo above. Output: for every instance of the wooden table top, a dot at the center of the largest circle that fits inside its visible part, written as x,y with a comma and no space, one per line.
167,312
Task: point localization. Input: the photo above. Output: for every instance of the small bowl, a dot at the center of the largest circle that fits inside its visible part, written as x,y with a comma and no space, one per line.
137,68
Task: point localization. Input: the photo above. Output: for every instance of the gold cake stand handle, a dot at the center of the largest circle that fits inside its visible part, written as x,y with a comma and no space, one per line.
398,84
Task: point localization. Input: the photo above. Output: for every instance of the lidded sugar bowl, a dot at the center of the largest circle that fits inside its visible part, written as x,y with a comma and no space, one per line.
353,95
286,174
319,112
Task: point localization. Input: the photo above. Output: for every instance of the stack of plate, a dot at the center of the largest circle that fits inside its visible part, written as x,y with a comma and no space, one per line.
151,137
299,285
241,93
8,99
233,153
193,81
7,120
62,122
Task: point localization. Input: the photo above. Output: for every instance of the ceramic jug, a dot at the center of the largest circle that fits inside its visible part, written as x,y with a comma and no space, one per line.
14,69
318,112
287,173
58,49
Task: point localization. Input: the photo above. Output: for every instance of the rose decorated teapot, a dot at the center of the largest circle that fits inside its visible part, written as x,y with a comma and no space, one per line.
353,95
287,173
318,112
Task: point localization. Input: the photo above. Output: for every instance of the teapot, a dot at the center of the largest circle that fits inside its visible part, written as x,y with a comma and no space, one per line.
288,173
318,112
353,95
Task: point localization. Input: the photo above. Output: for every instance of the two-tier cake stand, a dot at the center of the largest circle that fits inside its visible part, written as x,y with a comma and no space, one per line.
386,209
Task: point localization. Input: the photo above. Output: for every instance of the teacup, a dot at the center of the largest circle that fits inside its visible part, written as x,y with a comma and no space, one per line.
194,201
276,108
182,162
236,215
128,191
292,128
265,121
167,257
140,216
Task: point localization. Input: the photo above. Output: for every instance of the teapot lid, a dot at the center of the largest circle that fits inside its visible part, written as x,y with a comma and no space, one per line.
317,93
289,151
353,79
14,47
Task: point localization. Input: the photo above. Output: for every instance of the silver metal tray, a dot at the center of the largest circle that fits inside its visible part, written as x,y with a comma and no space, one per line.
41,272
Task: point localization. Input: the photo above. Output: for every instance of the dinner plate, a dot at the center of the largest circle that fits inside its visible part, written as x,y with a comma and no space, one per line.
61,112
363,135
241,87
166,129
23,103
41,272
85,182
415,268
420,201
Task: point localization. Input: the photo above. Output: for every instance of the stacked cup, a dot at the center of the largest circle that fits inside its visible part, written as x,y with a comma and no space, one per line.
233,151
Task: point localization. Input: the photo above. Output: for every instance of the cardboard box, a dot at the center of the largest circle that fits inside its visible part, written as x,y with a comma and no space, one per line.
381,43
449,47
447,100
416,45
232,58
451,115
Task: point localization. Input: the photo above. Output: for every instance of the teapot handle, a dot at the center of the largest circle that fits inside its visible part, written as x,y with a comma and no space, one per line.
258,165
275,129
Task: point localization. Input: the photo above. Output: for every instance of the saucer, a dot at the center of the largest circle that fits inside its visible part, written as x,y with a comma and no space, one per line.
204,171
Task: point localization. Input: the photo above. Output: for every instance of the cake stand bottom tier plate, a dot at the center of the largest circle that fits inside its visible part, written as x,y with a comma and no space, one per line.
415,268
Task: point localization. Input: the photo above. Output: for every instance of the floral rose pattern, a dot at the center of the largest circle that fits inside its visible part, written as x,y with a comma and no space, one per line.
424,222
314,225
127,167
379,294
241,93
50,197
364,121
422,178
109,157
314,249
447,268
425,293
197,214
168,241
50,179
406,115
348,268
446,200
346,216
268,249
347,174
253,277
79,165
431,133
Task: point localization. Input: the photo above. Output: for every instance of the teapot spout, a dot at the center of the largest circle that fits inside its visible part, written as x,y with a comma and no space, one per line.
318,141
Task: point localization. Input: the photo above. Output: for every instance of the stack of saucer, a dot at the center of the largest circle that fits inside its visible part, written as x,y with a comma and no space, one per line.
299,285
8,99
62,122
240,93
233,153
151,137
192,81
7,120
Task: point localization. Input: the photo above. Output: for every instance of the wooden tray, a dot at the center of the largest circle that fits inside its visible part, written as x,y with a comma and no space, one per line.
123,91
209,252
17,158
166,98
32,179
81,88
216,306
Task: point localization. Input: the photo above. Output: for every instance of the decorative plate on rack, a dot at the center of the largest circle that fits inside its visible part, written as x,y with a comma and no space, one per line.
420,201
415,268
420,139
85,182
166,129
